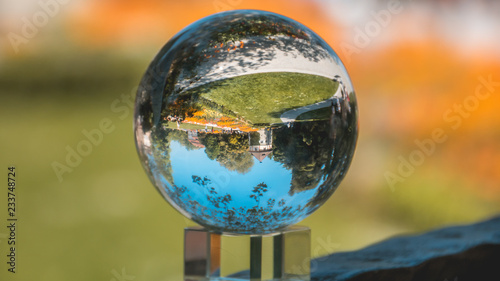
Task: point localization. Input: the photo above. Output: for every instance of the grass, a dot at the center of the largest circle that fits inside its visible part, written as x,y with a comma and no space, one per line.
262,98
318,114
186,126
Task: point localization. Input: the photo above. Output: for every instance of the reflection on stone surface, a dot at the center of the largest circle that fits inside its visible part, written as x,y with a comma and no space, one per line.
246,122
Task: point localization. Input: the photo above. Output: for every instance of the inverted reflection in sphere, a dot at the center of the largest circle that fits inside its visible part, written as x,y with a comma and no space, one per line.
246,122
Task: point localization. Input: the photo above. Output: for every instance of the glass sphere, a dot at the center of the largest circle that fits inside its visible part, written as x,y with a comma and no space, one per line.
246,122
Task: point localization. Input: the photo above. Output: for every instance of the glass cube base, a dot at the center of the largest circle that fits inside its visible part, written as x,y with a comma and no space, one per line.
211,256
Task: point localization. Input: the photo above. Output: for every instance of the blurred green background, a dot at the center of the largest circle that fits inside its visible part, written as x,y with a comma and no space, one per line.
104,218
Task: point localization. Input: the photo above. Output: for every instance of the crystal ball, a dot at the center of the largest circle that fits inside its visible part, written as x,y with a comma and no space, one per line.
246,122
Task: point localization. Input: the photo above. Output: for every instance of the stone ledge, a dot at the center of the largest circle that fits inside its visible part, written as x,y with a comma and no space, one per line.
469,252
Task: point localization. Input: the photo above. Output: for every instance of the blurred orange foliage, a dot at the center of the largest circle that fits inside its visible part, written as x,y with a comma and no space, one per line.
142,22
404,88
415,85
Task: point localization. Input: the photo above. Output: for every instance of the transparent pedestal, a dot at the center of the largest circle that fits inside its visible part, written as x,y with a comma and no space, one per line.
211,256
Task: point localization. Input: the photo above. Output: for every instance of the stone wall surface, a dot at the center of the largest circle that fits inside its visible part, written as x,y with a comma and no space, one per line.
458,253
